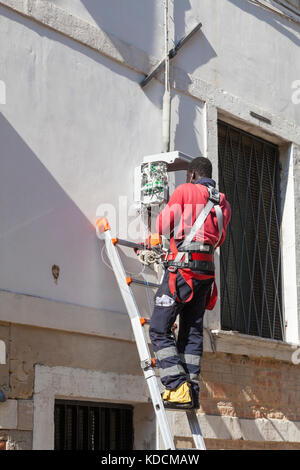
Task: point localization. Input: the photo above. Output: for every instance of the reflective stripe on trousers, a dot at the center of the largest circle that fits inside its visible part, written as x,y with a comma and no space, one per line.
179,363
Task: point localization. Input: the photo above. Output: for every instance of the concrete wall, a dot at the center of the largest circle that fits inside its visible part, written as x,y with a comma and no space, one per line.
73,126
75,121
45,364
246,403
82,125
242,48
243,397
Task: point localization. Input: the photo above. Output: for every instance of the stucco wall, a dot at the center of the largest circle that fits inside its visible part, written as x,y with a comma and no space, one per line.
74,127
75,124
242,48
46,364
246,401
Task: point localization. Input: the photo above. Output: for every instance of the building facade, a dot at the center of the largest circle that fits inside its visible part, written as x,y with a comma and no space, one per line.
74,124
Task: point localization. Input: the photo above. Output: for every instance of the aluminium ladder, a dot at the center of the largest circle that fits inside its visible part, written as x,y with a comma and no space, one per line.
147,363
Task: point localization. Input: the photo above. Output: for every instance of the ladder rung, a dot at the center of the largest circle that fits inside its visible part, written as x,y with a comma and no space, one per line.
181,410
119,241
129,280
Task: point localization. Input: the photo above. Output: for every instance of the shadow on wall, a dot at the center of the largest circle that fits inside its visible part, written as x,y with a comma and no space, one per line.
144,15
190,125
133,21
116,68
276,21
199,43
53,35
187,128
42,226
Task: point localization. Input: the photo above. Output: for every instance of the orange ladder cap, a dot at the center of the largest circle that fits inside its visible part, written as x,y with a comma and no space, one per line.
102,224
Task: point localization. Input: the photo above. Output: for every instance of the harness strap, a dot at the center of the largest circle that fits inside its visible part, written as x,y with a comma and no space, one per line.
188,275
213,201
193,256
219,215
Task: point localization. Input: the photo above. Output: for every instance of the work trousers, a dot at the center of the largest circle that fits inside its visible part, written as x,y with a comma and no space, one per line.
179,363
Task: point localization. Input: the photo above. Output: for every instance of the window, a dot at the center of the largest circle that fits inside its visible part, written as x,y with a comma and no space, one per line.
92,426
250,258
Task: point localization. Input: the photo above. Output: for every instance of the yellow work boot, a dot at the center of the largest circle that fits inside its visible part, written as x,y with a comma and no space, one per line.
181,398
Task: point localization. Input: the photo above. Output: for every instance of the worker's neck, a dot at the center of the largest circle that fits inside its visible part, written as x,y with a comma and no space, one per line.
205,181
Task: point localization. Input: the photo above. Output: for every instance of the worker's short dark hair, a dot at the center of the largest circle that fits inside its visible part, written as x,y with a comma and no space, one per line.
202,165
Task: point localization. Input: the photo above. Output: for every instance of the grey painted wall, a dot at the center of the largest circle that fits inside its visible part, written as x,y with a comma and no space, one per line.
242,48
76,124
74,127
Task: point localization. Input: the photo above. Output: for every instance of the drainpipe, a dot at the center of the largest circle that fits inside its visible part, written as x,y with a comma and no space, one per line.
166,113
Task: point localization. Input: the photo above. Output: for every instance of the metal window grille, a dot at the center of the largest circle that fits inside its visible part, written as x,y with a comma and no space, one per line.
250,258
92,426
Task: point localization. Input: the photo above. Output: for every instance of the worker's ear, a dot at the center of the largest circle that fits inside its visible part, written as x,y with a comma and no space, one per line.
190,176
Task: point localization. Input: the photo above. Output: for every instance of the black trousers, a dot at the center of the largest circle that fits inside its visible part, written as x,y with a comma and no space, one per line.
179,363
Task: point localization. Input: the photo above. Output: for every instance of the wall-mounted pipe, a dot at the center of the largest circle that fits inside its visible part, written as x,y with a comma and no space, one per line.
166,113
172,53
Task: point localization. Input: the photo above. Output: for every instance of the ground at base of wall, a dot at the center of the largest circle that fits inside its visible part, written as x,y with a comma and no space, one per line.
227,444
22,440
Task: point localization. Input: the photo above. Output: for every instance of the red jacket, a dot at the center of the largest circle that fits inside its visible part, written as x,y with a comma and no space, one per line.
182,210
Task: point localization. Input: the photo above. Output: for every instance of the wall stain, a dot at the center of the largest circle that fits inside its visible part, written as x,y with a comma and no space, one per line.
55,273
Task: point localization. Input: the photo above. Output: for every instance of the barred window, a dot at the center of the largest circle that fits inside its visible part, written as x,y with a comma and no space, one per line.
92,426
250,258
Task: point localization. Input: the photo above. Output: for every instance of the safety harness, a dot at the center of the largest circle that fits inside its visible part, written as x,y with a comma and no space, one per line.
196,256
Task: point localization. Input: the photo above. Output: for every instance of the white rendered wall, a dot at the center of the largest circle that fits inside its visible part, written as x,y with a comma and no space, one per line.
242,48
74,127
75,124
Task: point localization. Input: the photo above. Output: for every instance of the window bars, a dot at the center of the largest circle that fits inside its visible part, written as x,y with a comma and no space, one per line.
92,426
250,258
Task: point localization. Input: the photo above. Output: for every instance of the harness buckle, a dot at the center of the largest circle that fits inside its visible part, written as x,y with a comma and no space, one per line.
214,195
172,269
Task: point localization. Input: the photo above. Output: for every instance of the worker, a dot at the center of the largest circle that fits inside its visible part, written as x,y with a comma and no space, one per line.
188,287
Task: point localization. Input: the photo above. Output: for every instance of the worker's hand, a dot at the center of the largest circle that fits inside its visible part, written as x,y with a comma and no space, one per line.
153,241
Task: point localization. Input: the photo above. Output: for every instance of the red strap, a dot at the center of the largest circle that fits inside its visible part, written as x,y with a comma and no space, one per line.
173,246
172,282
188,275
172,285
194,256
212,297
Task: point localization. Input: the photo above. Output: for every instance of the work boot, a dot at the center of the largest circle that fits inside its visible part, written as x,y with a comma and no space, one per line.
181,398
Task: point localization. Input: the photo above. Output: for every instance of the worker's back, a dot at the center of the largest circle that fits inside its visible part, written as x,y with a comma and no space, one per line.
185,204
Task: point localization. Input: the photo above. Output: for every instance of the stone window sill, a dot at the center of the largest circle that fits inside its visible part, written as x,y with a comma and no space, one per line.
233,342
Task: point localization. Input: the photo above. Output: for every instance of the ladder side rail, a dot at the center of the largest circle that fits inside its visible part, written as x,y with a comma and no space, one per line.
196,430
141,341
128,298
144,352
